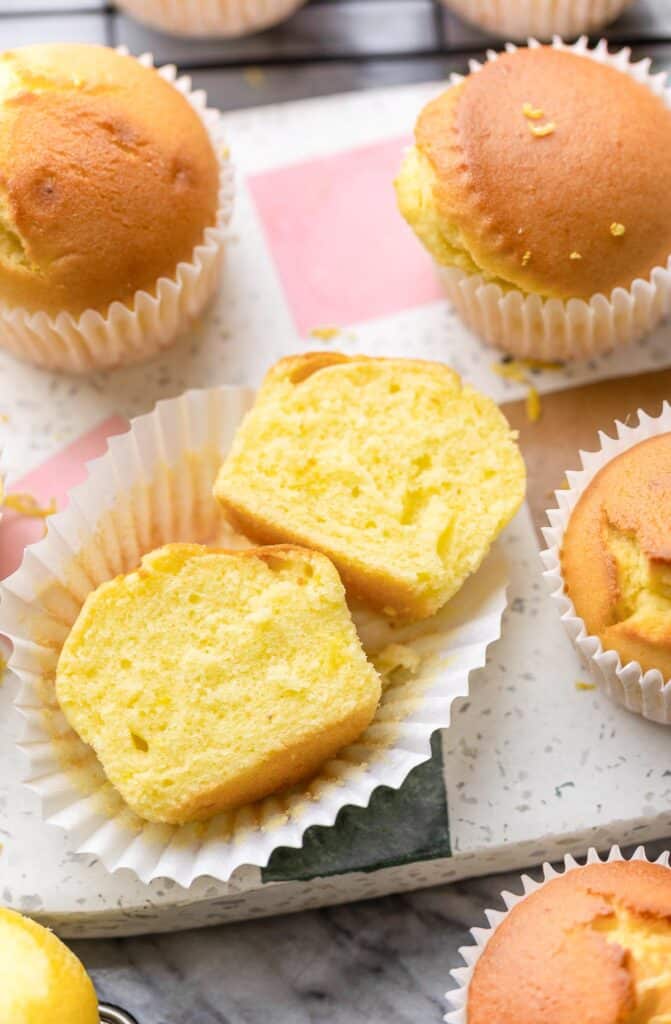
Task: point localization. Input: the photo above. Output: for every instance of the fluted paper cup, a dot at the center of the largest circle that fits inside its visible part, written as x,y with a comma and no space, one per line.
531,327
458,997
154,485
646,693
542,19
211,17
152,321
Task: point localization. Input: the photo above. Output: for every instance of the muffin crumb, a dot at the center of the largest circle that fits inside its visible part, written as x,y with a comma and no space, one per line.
526,257
533,113
541,130
617,230
575,256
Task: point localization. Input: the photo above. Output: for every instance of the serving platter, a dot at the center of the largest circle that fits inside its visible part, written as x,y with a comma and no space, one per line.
534,763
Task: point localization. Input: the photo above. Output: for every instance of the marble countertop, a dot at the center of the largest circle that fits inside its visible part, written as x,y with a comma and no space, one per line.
382,961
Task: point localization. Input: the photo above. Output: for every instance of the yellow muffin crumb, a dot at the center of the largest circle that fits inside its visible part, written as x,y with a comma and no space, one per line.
209,679
533,113
533,405
617,230
526,257
27,505
325,333
41,981
541,130
575,256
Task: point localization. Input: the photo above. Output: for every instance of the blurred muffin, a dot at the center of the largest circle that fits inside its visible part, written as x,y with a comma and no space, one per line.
591,945
393,468
109,206
42,981
616,555
211,17
538,19
209,679
545,175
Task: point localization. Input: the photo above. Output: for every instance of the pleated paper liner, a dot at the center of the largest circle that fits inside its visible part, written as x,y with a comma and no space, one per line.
154,486
211,17
646,693
132,333
530,327
458,997
542,19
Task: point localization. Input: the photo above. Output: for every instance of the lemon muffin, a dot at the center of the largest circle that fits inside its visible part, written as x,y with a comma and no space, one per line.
109,182
616,555
208,679
591,945
41,981
211,17
393,468
538,19
545,173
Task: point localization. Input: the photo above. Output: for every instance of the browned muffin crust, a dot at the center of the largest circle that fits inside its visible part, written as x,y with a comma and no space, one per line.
550,961
569,199
616,555
108,178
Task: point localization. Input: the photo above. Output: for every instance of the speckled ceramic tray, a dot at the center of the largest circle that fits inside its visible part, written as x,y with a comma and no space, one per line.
533,764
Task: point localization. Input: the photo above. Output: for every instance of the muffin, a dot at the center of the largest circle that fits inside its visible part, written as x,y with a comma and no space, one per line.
41,979
539,19
540,184
592,945
210,17
209,679
616,555
110,207
399,473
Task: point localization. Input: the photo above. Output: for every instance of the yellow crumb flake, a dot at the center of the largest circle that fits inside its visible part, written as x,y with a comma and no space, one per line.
575,256
396,656
254,77
518,370
526,258
3,669
541,130
27,505
617,229
325,333
533,113
582,686
533,405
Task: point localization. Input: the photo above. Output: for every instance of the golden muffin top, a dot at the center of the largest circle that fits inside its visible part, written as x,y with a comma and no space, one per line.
546,171
108,178
41,981
593,945
616,555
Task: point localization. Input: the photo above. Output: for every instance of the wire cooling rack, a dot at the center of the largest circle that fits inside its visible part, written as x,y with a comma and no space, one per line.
328,46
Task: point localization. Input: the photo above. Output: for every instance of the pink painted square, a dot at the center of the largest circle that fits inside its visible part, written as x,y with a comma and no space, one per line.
342,250
52,480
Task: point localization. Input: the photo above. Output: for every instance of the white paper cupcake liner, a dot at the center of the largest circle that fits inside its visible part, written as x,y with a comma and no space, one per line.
153,486
646,693
530,327
128,334
542,19
458,997
211,17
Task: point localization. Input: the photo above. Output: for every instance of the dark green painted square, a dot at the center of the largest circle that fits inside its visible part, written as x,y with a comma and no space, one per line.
400,826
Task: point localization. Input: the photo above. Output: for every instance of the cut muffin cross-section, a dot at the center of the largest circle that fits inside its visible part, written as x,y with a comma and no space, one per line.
209,679
393,468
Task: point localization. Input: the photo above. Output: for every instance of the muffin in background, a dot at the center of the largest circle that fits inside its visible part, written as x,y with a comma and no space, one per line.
226,18
591,944
538,19
43,982
110,207
541,186
616,555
